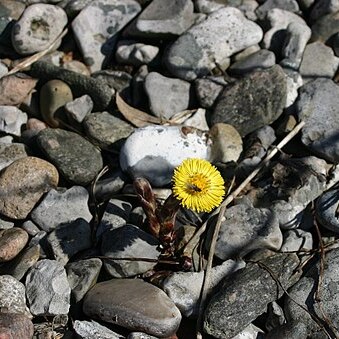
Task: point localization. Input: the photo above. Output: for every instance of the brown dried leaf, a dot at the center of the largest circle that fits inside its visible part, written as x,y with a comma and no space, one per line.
15,88
135,116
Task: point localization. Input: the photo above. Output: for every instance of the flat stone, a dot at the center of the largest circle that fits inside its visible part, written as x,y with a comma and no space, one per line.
66,240
37,28
318,106
116,80
62,207
245,294
23,183
119,301
252,102
79,108
104,19
326,210
92,329
12,120
5,223
184,288
47,289
76,158
163,18
223,33
15,325
106,131
10,153
12,295
129,241
153,152
82,275
12,241
166,96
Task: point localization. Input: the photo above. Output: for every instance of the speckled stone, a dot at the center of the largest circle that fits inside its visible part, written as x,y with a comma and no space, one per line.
77,159
12,295
119,301
12,241
23,183
10,153
37,28
15,325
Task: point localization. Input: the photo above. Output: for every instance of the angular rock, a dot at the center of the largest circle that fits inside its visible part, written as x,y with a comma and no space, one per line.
66,240
223,33
287,5
129,241
184,288
104,19
62,207
47,289
166,96
106,131
76,158
82,275
198,120
10,153
12,120
297,240
207,90
245,294
317,105
119,301
153,152
110,185
79,108
15,325
12,241
253,101
22,184
92,329
37,28
116,80
12,295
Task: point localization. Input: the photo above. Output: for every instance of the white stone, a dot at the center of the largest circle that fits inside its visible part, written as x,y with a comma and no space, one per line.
11,120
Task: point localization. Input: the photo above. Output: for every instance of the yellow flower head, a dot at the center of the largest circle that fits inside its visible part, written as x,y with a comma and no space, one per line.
198,185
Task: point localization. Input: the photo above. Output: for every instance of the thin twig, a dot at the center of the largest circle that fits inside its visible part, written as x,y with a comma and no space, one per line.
221,210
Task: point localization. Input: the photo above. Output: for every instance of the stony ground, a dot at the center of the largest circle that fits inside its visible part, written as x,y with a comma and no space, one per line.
96,93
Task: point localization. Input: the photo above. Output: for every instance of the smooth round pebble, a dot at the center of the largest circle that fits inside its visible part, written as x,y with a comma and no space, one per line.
134,304
153,152
54,94
12,241
23,183
37,28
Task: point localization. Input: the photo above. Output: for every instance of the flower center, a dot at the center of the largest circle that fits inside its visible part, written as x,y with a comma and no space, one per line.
197,183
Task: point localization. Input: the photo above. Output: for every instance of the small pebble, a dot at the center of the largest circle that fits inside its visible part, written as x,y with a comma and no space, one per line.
92,329
12,120
12,241
79,108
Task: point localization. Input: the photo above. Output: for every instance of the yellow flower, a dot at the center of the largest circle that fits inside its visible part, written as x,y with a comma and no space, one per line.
198,185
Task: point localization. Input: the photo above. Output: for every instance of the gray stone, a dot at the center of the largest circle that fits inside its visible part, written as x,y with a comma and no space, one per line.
245,294
294,82
10,153
104,19
223,33
12,295
208,89
135,53
287,5
62,207
119,301
116,80
275,316
12,120
153,152
82,275
325,27
116,214
91,329
252,102
297,240
258,60
79,108
246,228
106,131
163,18
5,224
318,61
326,210
318,106
37,28
23,183
246,52
299,323
47,289
129,241
297,36
75,157
3,69
140,335
68,239
166,96
279,20
250,332
184,288
323,7
30,227
198,120
74,7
